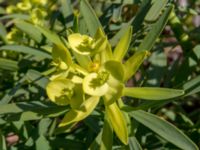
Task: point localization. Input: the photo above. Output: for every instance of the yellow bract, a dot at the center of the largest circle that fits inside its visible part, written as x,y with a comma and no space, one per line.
80,43
92,88
60,91
75,115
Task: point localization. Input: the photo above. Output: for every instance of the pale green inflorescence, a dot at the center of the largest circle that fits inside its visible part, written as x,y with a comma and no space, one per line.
95,73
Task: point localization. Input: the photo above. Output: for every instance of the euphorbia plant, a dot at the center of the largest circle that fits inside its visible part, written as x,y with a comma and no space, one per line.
89,71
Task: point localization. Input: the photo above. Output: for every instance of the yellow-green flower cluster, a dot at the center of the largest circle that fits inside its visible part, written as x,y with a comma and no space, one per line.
37,9
92,76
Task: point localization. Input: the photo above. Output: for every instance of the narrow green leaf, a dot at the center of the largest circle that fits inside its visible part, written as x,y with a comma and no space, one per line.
36,115
118,122
105,48
76,23
155,31
3,32
54,38
90,17
37,78
192,86
34,106
166,130
75,115
30,30
15,16
2,142
155,10
150,93
133,63
134,144
107,135
8,64
26,50
123,45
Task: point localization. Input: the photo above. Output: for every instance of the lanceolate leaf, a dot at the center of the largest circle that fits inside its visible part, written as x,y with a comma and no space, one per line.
155,10
8,64
192,86
157,28
2,141
133,63
90,17
149,93
34,106
3,32
122,47
15,16
75,115
26,50
164,129
107,135
30,30
54,38
106,53
134,144
118,122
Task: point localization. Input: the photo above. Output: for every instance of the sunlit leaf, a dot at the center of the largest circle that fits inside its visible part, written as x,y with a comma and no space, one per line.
118,122
123,45
134,144
30,30
107,135
90,17
149,93
166,130
155,10
75,115
134,62
26,50
54,38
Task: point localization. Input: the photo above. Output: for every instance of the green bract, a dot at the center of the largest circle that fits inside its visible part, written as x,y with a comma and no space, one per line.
98,74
